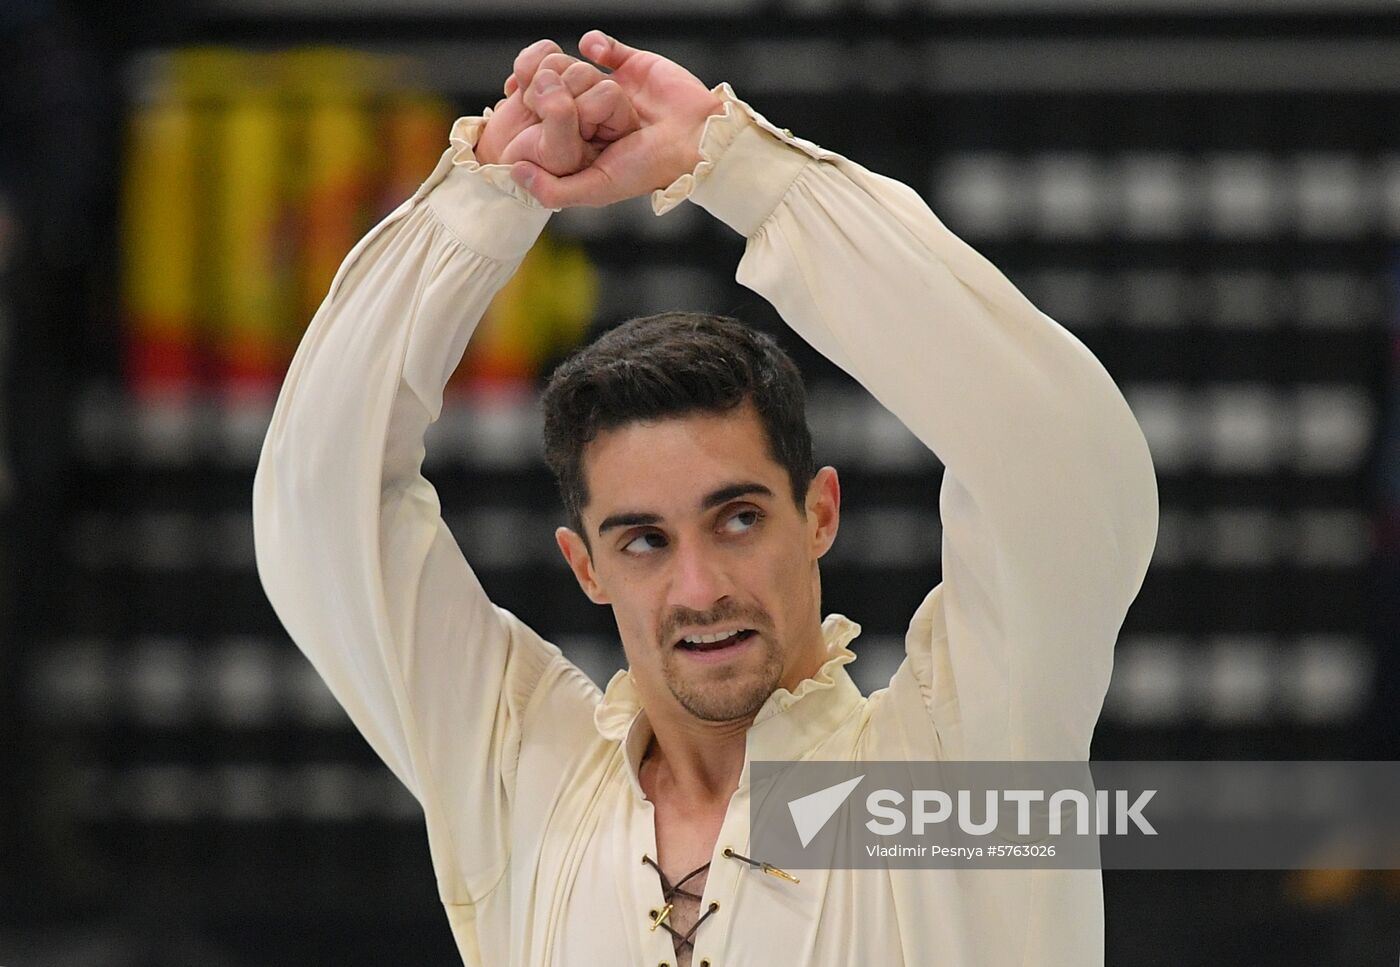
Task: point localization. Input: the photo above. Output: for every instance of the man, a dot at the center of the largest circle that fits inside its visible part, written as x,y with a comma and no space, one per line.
569,830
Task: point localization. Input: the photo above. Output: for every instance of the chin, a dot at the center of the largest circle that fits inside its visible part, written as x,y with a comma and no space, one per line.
725,697
723,707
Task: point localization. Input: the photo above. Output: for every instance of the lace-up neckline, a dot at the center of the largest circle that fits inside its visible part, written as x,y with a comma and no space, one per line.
669,892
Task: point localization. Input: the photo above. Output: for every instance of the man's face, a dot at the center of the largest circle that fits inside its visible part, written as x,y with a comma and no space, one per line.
694,532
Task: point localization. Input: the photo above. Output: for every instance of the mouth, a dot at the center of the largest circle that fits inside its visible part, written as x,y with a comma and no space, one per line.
704,649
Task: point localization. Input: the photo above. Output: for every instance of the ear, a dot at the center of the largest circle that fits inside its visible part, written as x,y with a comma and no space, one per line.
581,563
823,510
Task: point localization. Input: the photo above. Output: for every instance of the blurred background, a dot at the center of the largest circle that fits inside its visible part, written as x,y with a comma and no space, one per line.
1206,192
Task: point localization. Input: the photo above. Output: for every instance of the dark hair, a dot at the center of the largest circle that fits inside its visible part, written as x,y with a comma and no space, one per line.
673,364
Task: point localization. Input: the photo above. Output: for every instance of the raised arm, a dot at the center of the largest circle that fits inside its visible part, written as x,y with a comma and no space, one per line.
1048,502
351,547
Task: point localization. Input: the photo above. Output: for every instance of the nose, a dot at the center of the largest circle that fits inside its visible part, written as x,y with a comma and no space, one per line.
698,580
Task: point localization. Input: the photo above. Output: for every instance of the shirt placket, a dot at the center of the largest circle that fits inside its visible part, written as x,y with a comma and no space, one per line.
649,902
722,885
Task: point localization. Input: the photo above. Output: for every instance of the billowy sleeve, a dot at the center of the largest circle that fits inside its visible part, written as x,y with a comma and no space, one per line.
351,547
1048,501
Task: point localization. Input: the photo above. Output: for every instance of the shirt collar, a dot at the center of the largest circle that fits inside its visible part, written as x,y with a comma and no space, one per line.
787,725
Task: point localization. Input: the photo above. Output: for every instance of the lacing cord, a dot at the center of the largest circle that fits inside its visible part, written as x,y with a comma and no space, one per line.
669,891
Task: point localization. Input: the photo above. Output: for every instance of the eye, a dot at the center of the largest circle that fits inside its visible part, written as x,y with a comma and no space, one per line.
746,520
644,543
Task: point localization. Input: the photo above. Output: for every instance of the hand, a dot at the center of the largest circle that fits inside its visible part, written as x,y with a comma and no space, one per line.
604,113
568,112
671,106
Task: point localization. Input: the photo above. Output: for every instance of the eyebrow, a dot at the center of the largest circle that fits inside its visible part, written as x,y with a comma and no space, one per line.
713,499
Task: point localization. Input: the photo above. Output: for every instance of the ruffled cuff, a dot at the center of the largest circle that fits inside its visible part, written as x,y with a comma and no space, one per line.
746,165
480,204
463,138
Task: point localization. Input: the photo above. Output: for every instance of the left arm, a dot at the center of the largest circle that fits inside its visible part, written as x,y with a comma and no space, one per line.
1049,501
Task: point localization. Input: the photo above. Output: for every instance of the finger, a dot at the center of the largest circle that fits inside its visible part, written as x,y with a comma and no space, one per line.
602,49
528,61
591,186
512,85
558,62
550,99
583,81
560,141
606,112
581,76
528,146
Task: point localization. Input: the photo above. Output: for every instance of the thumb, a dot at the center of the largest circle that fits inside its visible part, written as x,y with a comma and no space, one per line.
591,186
602,49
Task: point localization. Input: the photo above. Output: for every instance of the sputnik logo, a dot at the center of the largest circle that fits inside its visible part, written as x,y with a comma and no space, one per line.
812,812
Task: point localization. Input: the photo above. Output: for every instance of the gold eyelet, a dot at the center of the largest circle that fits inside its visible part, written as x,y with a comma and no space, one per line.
727,851
714,904
652,913
705,962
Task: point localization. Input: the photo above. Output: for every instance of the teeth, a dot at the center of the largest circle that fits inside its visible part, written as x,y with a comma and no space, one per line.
709,639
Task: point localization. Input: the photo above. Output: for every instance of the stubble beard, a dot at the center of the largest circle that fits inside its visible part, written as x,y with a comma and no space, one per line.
726,693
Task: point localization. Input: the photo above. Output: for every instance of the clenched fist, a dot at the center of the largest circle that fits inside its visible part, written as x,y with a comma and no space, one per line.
576,136
563,117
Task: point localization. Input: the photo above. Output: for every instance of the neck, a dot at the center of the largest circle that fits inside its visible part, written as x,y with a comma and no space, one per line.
699,762
695,762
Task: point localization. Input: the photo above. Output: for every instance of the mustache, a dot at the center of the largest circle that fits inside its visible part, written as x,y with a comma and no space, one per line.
755,618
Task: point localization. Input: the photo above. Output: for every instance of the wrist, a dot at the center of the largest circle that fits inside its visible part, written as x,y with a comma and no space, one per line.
485,154
694,134
751,169
466,139
485,211
747,166
486,150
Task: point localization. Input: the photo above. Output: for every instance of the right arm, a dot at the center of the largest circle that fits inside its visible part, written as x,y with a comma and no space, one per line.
351,548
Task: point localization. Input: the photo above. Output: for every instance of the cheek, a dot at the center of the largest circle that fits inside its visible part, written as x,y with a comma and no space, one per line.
636,615
788,569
